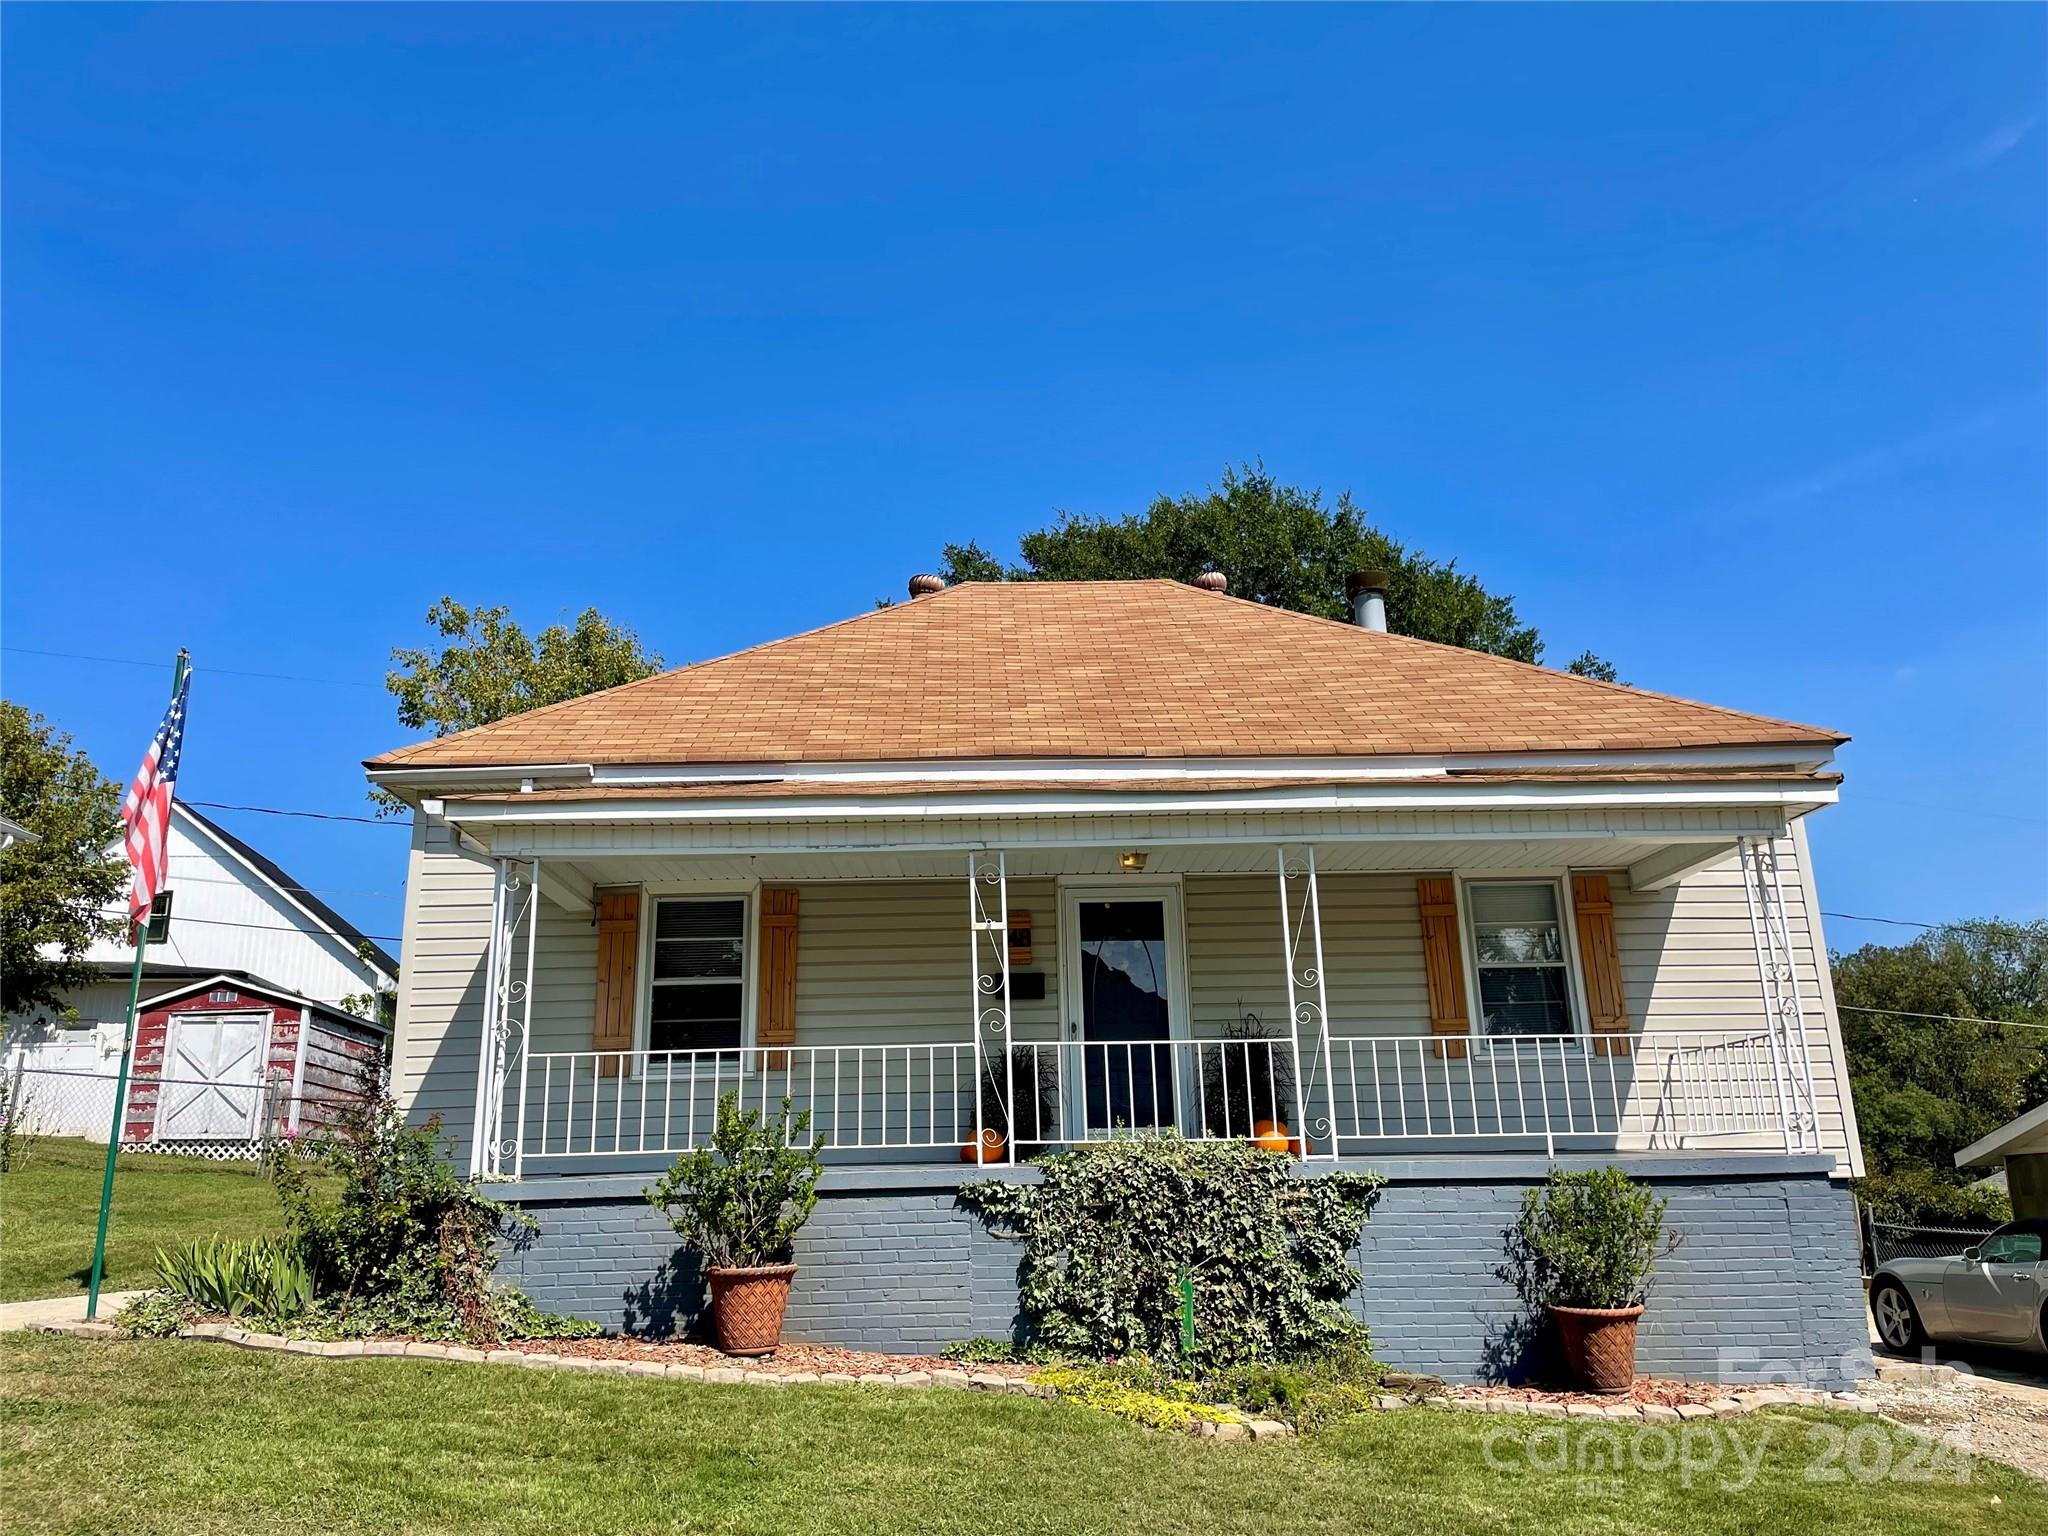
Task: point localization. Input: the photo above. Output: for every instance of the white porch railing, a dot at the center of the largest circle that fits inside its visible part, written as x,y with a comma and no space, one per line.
1374,1094
1330,1094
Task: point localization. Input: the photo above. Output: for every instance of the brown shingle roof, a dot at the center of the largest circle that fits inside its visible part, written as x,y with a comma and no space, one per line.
1141,669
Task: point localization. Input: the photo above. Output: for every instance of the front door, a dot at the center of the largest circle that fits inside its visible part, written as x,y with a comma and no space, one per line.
212,1077
1124,1007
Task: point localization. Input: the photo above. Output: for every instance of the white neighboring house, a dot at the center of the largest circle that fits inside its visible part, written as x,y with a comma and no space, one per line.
239,921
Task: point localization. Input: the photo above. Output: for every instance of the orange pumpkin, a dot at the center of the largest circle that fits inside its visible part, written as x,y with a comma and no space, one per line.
991,1149
1270,1136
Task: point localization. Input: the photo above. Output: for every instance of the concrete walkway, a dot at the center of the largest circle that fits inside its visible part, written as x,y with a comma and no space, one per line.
16,1315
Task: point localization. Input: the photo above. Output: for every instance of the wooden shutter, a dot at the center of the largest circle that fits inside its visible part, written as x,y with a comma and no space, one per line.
1443,960
618,965
777,1022
1600,964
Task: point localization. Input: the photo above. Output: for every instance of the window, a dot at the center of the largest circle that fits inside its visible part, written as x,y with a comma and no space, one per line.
1518,953
2011,1248
698,984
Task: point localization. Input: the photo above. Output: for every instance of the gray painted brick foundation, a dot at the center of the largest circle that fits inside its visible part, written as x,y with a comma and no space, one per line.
1764,1282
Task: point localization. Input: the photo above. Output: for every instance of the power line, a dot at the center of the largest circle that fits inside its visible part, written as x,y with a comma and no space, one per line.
318,890
271,810
1896,922
124,661
221,922
1944,1018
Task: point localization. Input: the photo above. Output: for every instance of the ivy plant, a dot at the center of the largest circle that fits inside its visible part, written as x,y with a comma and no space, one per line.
741,1201
1116,1228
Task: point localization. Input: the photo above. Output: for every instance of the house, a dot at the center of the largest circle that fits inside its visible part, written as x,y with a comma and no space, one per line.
1056,861
257,1014
2020,1146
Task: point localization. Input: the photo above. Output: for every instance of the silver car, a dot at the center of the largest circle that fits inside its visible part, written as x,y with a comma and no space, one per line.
1996,1293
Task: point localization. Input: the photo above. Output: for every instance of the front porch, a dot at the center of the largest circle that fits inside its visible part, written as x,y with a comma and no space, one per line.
1340,997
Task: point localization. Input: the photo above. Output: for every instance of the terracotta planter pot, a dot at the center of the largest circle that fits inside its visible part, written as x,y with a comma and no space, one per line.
1599,1345
991,1149
747,1307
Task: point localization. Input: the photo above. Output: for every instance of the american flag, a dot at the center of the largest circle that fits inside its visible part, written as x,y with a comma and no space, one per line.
147,811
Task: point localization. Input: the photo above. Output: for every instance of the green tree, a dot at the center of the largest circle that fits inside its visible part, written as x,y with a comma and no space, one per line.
491,668
1278,544
61,892
1927,1086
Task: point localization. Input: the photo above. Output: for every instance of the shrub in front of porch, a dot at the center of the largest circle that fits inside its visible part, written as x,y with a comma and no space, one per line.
738,1204
392,1242
1199,1255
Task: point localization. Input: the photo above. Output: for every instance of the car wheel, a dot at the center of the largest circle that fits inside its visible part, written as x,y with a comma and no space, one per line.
1898,1325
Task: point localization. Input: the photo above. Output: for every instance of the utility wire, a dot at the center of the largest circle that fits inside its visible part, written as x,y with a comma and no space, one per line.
178,918
1944,1018
123,661
1896,922
271,810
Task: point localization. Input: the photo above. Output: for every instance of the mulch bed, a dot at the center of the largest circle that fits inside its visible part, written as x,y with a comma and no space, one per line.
792,1355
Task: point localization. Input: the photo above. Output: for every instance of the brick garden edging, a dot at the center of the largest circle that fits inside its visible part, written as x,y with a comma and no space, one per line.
1241,1427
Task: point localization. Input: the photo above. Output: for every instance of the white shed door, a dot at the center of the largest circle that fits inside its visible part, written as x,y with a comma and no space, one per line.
213,1074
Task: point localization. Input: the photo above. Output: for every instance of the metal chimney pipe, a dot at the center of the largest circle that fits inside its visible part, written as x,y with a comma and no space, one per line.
1367,592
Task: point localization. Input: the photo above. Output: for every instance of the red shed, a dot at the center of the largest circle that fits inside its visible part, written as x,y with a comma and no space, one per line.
222,1064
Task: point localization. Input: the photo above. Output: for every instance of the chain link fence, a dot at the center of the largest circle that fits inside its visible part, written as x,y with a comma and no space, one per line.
1884,1241
195,1117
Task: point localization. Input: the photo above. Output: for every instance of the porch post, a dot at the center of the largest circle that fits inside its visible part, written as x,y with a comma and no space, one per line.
480,1131
526,1027
1308,999
1784,1011
988,954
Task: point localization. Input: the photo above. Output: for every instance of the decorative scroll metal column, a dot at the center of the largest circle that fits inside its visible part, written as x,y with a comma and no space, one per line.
1778,971
508,991
988,957
1308,1002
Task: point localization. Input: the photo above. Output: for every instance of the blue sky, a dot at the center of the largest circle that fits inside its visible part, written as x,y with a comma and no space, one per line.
1714,334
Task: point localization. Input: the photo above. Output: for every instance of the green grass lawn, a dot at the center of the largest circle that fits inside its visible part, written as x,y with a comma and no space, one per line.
49,1205
186,1437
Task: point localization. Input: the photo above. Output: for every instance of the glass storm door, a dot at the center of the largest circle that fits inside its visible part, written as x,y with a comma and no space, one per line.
1124,1013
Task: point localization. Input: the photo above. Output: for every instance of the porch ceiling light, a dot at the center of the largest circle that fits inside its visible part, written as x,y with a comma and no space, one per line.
1131,861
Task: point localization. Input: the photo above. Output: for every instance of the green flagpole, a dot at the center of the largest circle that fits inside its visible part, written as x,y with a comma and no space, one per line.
99,1242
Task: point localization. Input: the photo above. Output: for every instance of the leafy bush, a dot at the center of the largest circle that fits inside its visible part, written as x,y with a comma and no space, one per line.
1309,1392
1034,1077
14,1117
406,1246
982,1350
1114,1227
267,1278
1588,1239
159,1315
1136,1391
1917,1197
511,1316
741,1201
1243,1084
